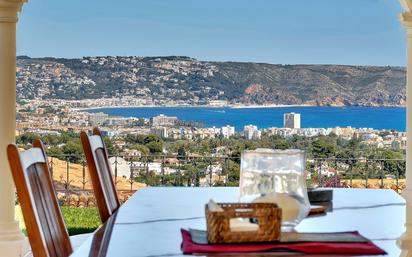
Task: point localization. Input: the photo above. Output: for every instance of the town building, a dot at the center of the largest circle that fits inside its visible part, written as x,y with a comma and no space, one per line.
399,144
251,132
97,119
227,131
163,120
291,120
160,131
218,103
132,153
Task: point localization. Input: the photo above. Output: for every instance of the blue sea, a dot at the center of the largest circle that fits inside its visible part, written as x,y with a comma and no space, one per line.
311,117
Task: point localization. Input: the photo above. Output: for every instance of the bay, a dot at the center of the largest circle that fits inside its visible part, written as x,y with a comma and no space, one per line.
311,117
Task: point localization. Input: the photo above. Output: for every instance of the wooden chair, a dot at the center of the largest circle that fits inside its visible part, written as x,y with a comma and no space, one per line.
100,173
45,226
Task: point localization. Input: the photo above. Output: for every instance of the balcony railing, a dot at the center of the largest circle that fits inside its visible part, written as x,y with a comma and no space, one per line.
360,173
131,173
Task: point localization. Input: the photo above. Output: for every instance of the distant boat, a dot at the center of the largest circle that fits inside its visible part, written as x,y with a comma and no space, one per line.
220,111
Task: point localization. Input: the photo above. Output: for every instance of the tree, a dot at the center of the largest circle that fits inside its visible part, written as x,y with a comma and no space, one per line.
155,147
150,178
54,151
205,146
142,148
73,150
68,136
393,163
347,156
135,139
322,148
353,143
152,138
299,142
51,139
181,153
111,148
27,138
232,170
281,144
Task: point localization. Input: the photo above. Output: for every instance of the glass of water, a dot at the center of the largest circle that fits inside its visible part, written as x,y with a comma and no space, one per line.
277,176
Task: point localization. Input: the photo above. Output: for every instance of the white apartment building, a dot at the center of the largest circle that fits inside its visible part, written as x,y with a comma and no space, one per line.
251,132
291,120
160,131
116,121
399,144
163,120
227,131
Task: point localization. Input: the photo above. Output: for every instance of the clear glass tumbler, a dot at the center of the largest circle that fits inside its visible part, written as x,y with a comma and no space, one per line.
278,176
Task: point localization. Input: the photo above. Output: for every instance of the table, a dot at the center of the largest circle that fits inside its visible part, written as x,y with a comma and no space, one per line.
149,223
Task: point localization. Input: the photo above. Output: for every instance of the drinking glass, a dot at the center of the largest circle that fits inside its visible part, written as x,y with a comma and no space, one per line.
277,176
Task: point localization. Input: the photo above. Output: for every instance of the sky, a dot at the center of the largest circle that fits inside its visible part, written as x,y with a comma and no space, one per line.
355,32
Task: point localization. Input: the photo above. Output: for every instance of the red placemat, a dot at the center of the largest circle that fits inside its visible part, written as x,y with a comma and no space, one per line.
357,248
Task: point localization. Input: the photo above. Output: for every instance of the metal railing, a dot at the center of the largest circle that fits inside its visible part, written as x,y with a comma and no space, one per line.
71,176
358,173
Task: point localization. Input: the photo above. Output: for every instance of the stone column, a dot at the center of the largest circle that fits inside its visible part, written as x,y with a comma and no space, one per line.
405,241
12,241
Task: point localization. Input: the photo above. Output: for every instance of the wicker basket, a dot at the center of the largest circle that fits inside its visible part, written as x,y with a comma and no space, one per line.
267,214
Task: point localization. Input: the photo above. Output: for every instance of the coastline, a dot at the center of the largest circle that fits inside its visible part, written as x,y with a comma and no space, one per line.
195,106
227,106
270,106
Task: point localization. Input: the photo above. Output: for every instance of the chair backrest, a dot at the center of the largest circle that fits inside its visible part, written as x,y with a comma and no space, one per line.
45,226
100,173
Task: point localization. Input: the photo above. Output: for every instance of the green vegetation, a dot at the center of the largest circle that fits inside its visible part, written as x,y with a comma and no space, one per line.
67,145
78,220
152,144
81,220
350,158
194,158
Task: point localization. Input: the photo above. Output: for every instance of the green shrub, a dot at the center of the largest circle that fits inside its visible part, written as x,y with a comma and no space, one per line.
78,220
81,220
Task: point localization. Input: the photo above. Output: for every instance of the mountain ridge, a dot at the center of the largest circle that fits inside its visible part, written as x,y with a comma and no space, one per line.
187,80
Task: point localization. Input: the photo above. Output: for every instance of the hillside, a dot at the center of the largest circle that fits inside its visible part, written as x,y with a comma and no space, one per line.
164,80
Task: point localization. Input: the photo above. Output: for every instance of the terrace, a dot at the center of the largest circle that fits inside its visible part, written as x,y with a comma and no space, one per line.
73,183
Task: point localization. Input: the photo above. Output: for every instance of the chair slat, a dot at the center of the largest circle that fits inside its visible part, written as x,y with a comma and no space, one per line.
96,142
100,173
34,155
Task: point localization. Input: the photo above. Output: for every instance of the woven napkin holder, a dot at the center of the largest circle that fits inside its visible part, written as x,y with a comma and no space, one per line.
268,216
